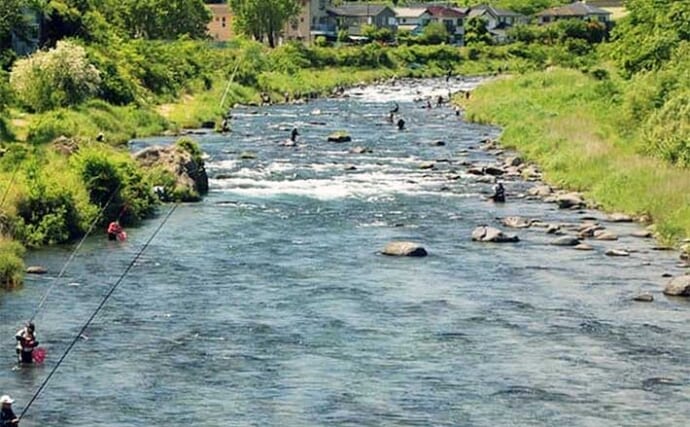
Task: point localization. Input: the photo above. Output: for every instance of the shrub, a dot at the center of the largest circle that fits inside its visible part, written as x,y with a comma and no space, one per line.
434,33
11,264
51,125
47,213
56,78
114,178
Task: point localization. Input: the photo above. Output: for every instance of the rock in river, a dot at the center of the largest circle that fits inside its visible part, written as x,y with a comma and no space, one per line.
566,241
679,287
36,269
517,222
617,252
339,137
604,235
404,249
645,297
570,200
491,234
619,217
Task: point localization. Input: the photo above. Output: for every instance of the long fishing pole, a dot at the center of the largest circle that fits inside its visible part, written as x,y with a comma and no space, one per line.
95,313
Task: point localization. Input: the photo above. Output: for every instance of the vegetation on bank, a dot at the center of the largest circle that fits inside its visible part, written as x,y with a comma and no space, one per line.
568,122
618,130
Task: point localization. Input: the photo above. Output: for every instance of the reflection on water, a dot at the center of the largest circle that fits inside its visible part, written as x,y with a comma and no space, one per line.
267,303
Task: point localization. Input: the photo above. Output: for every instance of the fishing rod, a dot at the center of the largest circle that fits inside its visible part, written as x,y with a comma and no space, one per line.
105,299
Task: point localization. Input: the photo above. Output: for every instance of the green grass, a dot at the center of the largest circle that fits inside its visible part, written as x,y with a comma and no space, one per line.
567,122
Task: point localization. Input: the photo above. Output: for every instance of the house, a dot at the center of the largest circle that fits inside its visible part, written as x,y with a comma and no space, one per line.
298,28
452,18
578,10
220,26
412,19
352,17
320,23
498,21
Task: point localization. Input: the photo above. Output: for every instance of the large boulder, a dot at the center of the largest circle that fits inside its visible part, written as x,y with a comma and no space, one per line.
679,287
491,234
182,162
404,249
570,201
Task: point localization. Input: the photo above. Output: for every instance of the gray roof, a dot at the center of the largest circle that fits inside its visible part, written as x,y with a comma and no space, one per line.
574,9
484,8
359,10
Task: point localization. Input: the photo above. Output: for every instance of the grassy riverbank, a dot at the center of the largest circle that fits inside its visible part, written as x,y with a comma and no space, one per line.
569,123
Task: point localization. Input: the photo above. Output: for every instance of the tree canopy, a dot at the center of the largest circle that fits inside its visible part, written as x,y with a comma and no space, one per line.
263,19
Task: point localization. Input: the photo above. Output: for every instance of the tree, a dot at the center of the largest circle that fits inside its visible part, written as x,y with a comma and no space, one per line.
476,32
263,19
167,19
435,33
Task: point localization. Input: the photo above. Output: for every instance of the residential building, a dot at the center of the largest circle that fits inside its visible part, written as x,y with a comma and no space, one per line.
220,26
298,28
412,19
498,21
352,17
320,22
578,10
452,18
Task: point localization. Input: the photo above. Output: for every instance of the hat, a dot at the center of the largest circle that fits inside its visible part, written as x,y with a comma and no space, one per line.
6,399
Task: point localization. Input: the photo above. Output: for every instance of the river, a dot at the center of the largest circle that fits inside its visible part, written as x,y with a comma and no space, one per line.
268,303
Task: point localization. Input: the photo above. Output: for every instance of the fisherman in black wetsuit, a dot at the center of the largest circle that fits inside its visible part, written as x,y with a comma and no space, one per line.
499,195
7,417
401,124
294,134
395,109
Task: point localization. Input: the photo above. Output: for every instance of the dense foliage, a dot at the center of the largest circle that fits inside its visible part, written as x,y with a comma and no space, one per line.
263,19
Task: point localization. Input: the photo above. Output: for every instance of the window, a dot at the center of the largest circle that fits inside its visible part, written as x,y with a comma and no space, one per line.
223,23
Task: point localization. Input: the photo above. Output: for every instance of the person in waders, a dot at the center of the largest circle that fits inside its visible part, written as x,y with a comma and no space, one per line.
26,343
499,195
115,231
7,417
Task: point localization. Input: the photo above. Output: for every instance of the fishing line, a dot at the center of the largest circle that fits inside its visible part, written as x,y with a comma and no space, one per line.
7,190
98,309
74,253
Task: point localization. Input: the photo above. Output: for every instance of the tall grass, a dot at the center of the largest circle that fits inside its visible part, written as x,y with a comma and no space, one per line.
567,122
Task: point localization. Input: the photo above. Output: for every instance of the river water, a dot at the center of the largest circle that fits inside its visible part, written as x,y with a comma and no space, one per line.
268,304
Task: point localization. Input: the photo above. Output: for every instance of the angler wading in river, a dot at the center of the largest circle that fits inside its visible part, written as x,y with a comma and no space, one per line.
26,343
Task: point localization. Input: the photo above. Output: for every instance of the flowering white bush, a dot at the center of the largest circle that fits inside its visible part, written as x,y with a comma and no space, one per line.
55,78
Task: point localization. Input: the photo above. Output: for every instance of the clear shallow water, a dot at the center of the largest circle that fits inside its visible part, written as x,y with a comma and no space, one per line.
267,304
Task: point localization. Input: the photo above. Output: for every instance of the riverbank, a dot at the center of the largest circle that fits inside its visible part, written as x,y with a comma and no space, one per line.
565,121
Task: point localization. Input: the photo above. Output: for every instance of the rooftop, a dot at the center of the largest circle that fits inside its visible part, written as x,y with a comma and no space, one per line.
410,12
574,9
483,8
357,9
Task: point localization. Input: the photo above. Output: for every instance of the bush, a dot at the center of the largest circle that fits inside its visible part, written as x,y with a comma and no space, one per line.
11,264
434,33
56,78
47,214
114,180
48,126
